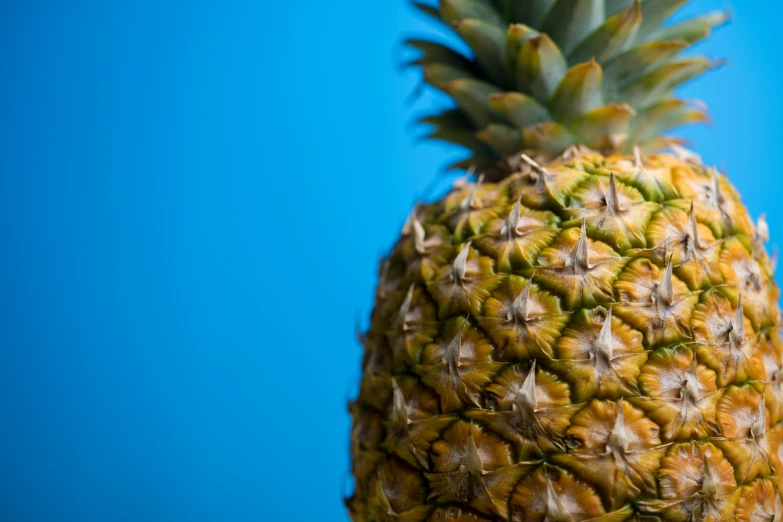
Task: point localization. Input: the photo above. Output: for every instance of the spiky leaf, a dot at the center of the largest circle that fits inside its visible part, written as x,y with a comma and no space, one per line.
655,13
571,21
529,46
611,39
488,42
516,36
693,30
661,82
472,97
579,93
540,67
530,12
518,108
630,65
453,11
503,139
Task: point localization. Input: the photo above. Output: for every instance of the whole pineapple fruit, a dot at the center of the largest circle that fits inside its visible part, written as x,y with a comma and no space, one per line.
589,330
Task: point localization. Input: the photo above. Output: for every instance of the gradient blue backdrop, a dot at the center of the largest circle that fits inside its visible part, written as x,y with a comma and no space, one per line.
193,197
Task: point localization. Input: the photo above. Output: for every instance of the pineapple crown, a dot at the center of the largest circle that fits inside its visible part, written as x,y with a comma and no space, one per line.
544,75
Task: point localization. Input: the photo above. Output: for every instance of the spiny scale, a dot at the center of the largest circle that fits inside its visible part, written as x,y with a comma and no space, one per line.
589,331
594,382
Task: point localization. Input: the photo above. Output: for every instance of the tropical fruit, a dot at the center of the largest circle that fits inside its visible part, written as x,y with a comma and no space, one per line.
588,330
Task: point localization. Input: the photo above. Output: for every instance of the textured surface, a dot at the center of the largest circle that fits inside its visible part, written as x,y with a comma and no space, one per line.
594,339
543,75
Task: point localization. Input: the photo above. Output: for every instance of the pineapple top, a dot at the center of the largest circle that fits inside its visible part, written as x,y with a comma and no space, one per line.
547,74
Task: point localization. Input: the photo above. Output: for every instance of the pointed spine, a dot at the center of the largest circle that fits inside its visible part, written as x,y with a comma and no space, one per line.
709,489
519,308
618,438
683,154
469,202
690,389
452,354
737,334
406,306
510,228
460,263
638,162
579,259
472,461
538,169
762,229
526,398
716,195
694,241
399,414
419,236
555,510
759,428
612,201
665,290
603,346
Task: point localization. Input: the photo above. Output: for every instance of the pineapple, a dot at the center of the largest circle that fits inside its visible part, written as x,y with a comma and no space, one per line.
589,329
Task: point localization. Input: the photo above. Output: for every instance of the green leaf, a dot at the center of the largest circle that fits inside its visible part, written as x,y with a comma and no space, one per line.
530,12
693,30
462,137
655,145
630,65
428,11
504,140
433,52
612,38
488,42
599,127
654,14
452,126
659,118
519,109
516,36
660,83
449,118
579,92
540,67
439,75
615,6
453,11
571,21
472,96
549,137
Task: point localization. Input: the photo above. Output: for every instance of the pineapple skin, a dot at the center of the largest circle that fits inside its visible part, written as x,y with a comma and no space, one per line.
595,338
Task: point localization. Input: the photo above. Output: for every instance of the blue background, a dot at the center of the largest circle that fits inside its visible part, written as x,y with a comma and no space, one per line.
193,199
